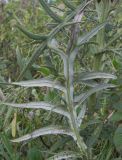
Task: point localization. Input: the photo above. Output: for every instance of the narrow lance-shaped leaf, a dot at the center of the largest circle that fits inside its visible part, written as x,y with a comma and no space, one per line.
57,29
43,82
89,35
41,105
81,98
49,11
31,35
51,130
68,4
94,75
64,155
90,83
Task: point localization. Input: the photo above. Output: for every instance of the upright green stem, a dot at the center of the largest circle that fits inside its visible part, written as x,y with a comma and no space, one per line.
71,108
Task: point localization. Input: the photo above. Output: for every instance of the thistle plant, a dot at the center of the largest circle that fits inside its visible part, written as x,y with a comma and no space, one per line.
73,107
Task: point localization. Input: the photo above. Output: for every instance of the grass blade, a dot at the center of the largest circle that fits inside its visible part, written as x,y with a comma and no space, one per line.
7,146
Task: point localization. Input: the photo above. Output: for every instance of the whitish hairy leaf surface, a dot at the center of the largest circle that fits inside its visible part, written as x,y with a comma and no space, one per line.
64,155
95,75
51,130
41,105
41,83
81,115
89,35
81,98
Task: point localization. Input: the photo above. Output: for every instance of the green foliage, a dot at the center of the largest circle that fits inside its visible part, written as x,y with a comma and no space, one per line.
118,138
64,64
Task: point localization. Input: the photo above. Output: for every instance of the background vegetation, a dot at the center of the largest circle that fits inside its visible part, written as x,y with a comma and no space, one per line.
97,67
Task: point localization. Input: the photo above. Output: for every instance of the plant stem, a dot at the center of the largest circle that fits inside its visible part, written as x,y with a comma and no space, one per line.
69,95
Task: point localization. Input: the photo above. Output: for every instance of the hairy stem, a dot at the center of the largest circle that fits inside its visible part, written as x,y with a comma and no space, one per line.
69,95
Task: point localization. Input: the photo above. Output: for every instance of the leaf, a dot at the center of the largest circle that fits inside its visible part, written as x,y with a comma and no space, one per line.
51,130
40,50
43,82
81,115
116,116
118,106
31,35
44,70
7,146
89,35
13,125
41,105
56,30
80,8
81,98
64,155
53,44
49,11
90,83
118,138
68,4
95,75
